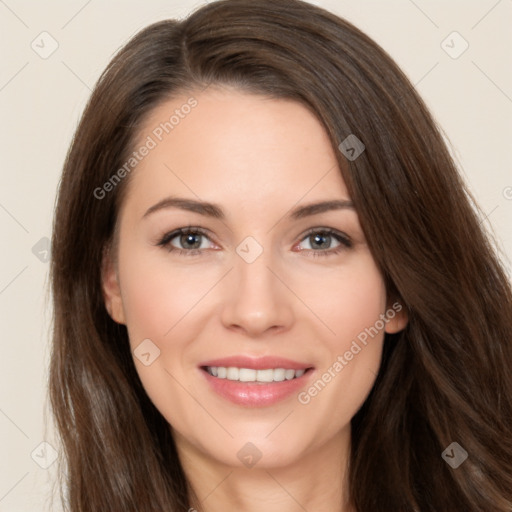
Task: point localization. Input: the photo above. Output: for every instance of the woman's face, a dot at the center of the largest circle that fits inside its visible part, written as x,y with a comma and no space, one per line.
264,281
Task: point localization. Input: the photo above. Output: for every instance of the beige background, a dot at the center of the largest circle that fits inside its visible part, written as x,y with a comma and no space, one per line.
40,103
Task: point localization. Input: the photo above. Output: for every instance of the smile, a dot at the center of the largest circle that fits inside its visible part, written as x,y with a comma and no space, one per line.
253,375
256,381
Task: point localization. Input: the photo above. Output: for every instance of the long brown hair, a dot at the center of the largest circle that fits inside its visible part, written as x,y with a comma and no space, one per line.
445,378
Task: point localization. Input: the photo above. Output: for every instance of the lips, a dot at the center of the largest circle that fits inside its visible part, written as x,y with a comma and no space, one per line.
255,382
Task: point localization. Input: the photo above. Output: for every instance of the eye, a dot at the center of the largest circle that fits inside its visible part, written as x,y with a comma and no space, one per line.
189,241
193,241
324,242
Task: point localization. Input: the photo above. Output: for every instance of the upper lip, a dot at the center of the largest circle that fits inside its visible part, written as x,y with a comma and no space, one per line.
257,363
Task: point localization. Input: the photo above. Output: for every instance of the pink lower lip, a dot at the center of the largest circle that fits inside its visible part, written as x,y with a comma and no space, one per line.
254,394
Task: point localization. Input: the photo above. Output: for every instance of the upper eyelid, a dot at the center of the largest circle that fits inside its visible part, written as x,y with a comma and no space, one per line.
170,235
324,229
342,237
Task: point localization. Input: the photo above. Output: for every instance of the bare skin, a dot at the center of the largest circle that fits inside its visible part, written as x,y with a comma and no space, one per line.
306,297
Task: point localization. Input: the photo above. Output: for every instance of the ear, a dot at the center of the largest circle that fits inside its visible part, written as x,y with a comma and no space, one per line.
111,288
397,317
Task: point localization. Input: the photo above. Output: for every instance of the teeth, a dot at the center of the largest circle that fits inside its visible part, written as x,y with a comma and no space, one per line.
265,375
279,374
233,374
246,374
251,375
289,374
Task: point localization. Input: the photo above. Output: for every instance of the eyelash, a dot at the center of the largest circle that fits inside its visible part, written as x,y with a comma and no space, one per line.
345,242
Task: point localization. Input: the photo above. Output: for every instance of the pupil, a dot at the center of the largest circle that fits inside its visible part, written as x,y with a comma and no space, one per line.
190,239
322,241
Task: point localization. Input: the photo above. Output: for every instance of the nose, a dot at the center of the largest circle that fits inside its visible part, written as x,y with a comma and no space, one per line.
256,300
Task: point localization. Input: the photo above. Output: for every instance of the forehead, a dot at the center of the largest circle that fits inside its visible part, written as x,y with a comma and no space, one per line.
224,144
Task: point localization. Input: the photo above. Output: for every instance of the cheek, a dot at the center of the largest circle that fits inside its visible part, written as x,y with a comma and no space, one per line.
350,304
158,295
160,302
347,300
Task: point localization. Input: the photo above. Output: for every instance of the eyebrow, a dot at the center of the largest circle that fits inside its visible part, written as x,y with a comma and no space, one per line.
215,211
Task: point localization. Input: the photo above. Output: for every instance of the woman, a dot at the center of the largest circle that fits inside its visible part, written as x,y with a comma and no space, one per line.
271,287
